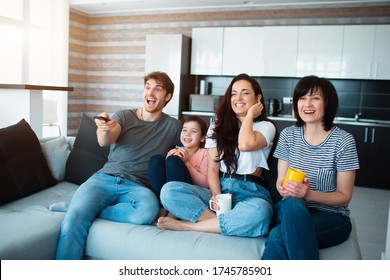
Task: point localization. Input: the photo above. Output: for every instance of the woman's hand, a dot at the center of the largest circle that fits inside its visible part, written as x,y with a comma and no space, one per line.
294,189
255,110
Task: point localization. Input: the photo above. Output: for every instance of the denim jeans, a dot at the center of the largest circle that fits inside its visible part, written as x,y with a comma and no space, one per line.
161,170
300,233
251,212
106,197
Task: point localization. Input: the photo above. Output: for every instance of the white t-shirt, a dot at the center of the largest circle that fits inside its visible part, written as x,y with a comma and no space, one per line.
249,161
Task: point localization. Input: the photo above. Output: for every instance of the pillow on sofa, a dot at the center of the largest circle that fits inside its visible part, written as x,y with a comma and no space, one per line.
23,167
56,152
87,156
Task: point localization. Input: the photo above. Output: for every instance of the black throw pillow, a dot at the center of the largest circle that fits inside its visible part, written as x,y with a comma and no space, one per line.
87,156
23,166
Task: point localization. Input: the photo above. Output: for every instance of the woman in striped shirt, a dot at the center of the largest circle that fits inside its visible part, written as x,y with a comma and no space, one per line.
314,214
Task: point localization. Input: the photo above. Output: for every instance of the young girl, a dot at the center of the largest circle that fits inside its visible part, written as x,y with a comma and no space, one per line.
238,144
185,164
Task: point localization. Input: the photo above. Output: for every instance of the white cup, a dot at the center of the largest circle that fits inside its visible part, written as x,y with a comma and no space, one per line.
224,201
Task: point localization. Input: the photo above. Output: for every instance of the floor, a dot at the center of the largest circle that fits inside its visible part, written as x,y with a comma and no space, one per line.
370,209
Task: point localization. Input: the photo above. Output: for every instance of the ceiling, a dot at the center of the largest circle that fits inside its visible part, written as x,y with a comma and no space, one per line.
128,6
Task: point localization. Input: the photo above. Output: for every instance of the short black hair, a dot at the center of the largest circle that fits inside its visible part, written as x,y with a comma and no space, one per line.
310,84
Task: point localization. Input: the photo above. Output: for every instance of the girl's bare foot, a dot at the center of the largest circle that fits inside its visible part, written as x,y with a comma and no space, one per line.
171,224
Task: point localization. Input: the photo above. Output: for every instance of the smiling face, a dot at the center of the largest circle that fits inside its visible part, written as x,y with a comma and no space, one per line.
311,106
155,96
191,135
242,97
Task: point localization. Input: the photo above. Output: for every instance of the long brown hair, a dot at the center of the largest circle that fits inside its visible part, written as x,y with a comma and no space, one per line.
227,125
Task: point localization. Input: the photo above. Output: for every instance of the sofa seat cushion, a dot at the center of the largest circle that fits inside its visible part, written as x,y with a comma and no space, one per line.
111,240
29,230
29,234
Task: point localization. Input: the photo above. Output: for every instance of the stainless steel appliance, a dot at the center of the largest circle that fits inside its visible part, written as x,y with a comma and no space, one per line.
274,107
204,103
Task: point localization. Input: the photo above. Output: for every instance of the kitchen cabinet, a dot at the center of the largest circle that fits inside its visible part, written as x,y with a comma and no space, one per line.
319,51
207,50
243,51
171,54
365,52
227,51
280,51
382,53
373,150
358,51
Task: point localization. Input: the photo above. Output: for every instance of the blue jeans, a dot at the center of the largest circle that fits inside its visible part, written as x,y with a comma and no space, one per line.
106,197
251,212
300,233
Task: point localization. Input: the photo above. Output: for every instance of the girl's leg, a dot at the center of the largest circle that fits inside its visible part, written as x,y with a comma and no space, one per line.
157,173
177,170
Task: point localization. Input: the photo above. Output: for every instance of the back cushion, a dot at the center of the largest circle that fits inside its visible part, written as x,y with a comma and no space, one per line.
87,156
23,166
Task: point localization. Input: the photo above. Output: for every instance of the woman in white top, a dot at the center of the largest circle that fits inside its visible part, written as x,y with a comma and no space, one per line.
238,143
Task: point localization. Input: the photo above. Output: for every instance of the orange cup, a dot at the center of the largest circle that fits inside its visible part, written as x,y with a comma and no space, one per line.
295,175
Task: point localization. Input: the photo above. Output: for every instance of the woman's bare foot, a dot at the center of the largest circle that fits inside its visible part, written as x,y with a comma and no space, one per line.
172,224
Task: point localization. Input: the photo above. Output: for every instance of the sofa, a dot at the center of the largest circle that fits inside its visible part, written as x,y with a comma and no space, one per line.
29,230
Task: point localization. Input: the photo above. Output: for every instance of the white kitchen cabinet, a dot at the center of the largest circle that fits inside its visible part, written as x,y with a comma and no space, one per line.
207,50
280,50
243,51
382,52
319,51
358,51
171,54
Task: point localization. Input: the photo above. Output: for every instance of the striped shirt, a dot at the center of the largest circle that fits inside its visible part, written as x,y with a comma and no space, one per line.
321,163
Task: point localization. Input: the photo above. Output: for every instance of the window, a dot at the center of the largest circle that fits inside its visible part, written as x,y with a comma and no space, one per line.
33,40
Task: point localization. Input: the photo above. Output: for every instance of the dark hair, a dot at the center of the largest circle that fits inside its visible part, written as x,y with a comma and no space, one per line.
227,125
202,124
164,79
308,85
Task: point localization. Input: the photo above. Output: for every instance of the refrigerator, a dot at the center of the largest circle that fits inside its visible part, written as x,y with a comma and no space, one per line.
171,53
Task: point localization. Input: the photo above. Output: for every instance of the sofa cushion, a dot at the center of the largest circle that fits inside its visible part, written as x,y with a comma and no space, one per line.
56,152
87,156
23,167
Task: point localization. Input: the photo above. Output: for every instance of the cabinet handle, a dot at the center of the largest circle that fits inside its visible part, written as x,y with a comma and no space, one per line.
370,69
373,136
376,70
365,134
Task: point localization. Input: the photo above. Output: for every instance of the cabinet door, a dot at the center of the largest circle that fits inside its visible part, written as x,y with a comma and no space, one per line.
358,51
280,51
373,150
382,52
319,51
378,159
206,53
242,51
